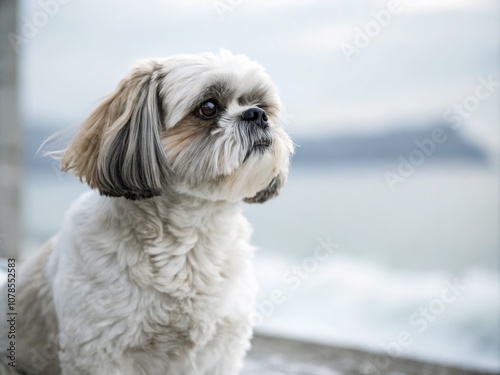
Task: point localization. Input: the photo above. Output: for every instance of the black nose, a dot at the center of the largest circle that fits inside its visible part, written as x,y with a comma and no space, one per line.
257,116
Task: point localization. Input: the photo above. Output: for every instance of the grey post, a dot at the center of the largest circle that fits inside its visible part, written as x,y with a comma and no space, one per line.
10,135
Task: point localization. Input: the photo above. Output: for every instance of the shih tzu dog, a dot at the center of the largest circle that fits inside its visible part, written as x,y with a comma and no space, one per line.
151,272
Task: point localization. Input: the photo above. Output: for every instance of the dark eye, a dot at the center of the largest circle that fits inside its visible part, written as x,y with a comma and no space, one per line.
208,109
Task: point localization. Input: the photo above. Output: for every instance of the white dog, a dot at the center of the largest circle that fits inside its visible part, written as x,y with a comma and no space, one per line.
151,272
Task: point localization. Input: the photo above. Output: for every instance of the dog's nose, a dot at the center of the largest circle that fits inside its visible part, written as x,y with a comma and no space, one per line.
257,115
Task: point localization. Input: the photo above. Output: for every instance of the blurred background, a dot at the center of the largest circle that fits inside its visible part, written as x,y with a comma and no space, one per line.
389,224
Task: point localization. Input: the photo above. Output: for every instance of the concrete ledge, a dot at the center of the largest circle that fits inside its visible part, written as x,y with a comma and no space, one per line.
276,356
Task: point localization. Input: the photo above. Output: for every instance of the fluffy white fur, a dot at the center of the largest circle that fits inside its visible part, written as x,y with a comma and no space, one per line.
151,271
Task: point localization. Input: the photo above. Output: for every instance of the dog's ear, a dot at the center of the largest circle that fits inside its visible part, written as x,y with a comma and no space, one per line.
271,191
118,149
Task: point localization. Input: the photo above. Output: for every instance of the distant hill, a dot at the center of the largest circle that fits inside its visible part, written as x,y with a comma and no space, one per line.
345,149
387,147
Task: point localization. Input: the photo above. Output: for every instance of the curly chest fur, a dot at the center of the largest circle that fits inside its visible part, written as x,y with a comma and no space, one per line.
178,292
186,306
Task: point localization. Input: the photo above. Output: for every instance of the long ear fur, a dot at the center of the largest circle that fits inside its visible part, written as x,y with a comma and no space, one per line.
118,148
271,191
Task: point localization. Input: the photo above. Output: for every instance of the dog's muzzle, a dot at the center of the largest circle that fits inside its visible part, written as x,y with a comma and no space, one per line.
257,133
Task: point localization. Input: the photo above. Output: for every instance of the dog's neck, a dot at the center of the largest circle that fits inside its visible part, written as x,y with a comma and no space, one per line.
173,212
179,236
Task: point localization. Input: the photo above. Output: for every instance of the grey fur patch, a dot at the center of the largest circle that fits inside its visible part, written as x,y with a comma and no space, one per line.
135,166
271,191
258,94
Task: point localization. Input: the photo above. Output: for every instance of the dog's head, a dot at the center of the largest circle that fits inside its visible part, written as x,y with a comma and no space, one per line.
205,125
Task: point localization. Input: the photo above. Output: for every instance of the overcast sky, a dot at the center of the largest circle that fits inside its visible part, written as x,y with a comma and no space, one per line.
429,56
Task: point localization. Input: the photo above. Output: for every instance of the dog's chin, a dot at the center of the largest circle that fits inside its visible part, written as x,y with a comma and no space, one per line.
253,175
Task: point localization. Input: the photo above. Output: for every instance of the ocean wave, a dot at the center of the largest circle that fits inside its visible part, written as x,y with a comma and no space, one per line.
436,316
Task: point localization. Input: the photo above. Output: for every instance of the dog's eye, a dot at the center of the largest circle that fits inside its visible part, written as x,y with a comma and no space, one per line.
208,109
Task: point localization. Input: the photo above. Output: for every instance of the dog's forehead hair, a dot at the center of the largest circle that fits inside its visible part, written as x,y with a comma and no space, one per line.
225,90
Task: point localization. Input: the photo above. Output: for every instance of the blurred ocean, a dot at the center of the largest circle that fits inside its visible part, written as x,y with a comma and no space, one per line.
395,254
